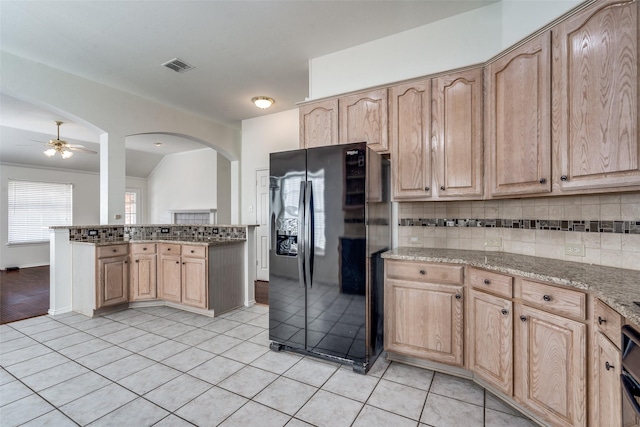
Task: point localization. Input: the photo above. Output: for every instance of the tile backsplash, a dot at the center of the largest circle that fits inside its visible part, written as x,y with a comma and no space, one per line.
607,225
102,233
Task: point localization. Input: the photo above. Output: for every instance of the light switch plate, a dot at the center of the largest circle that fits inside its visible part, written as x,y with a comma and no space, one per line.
574,249
415,241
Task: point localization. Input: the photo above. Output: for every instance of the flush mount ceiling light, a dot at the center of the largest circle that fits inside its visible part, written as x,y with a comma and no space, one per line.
63,147
262,101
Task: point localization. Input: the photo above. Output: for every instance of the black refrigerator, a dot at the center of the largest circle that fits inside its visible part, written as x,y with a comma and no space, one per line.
329,225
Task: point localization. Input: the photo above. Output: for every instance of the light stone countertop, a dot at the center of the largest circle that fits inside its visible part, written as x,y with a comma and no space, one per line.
617,287
199,242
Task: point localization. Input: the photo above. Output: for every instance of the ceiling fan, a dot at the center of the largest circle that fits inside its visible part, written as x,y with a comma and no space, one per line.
63,147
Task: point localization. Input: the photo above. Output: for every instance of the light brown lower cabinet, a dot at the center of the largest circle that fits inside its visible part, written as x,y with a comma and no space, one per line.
182,274
550,364
607,365
491,340
424,319
113,281
143,272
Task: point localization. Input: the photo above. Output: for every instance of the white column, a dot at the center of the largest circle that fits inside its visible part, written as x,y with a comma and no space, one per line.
112,178
235,192
59,271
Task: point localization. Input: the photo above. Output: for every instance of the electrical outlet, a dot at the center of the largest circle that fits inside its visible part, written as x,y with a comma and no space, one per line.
574,249
415,241
493,242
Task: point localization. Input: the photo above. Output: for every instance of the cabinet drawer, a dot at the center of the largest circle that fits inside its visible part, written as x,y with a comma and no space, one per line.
168,249
494,283
194,251
424,272
556,300
143,248
609,322
112,250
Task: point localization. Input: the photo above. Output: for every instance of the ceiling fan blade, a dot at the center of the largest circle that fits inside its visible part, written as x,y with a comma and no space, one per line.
75,145
81,150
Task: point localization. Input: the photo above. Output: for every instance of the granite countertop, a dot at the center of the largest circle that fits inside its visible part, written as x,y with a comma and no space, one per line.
615,286
199,242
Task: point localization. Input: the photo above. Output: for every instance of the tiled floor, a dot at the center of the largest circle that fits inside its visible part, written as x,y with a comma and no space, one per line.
164,367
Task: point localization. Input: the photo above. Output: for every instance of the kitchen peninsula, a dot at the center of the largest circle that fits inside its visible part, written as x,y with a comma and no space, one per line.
198,268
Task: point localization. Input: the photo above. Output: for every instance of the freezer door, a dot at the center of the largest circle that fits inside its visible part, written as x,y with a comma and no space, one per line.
337,287
287,297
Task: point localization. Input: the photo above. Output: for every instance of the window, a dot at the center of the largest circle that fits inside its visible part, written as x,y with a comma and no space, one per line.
131,207
34,207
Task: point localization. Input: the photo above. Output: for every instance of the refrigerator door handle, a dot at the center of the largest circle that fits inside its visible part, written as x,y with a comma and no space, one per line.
301,235
310,231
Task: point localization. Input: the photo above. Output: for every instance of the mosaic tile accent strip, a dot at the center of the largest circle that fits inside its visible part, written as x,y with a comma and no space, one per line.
96,234
622,227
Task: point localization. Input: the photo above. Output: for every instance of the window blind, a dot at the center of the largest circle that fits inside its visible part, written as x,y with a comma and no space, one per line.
33,207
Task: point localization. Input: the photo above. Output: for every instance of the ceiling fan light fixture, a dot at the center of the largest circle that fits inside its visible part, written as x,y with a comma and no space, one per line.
50,152
262,101
66,154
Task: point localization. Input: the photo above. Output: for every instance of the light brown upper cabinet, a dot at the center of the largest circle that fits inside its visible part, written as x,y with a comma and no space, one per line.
409,124
319,124
517,131
595,98
363,118
456,130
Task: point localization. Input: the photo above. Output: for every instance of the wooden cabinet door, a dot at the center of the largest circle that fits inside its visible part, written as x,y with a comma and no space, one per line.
143,277
595,89
113,281
409,130
170,278
518,120
424,320
457,134
607,365
550,366
319,124
491,340
194,282
363,118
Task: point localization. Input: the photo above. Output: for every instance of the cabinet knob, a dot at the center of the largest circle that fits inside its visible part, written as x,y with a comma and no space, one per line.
423,272
177,262
115,250
523,318
601,320
144,249
564,178
546,298
608,366
192,251
442,188
168,249
183,263
458,296
126,262
504,311
543,180
137,260
487,281
426,188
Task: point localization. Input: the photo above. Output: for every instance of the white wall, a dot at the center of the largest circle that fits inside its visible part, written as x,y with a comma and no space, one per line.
86,208
462,40
261,136
182,181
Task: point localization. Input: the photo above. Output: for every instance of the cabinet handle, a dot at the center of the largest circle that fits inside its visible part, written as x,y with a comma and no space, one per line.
137,260
192,251
608,366
458,296
177,262
504,311
423,272
115,250
543,180
564,178
168,249
601,320
546,298
487,281
126,262
183,263
144,249
426,188
523,318
442,188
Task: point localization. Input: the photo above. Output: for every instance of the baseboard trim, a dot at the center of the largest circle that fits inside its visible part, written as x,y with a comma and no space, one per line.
55,312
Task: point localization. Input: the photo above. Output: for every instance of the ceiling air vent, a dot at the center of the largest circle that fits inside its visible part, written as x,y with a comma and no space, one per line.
178,65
